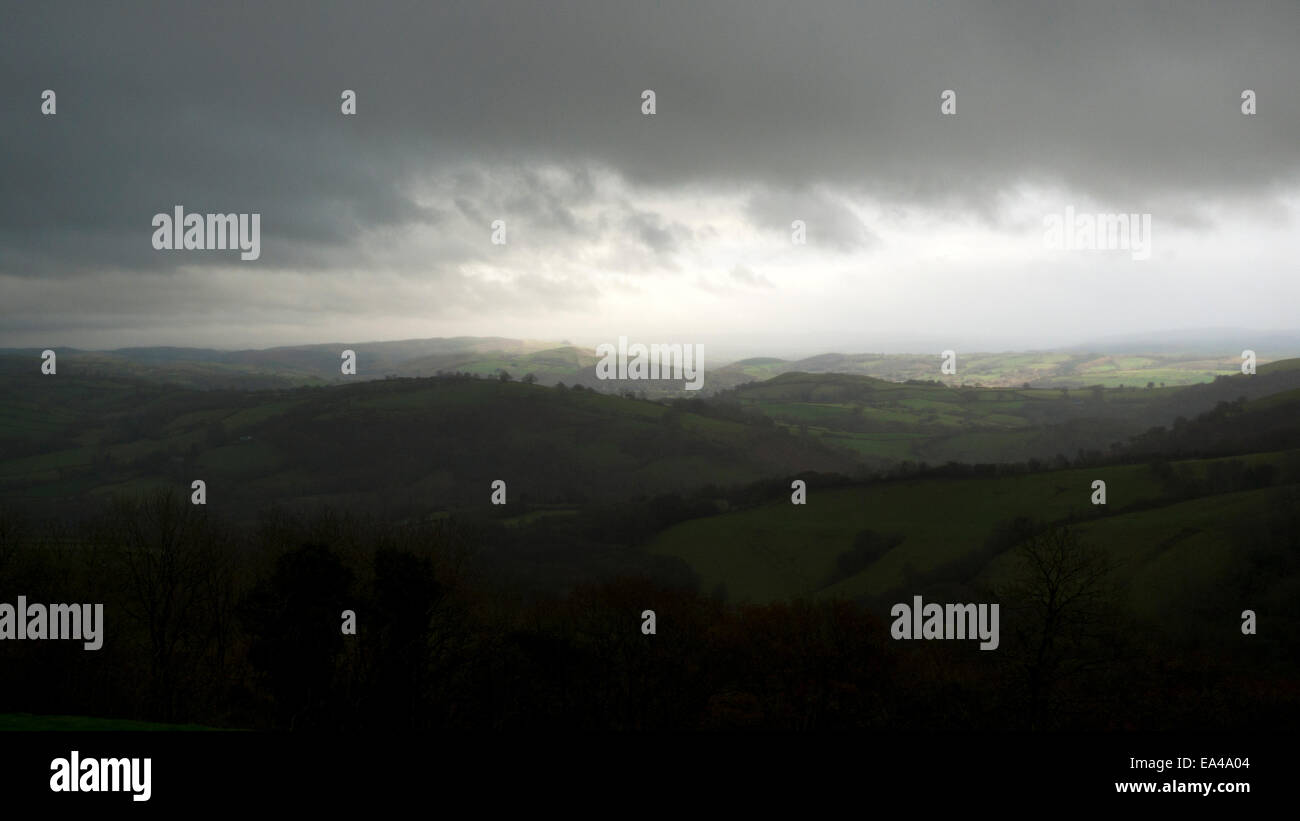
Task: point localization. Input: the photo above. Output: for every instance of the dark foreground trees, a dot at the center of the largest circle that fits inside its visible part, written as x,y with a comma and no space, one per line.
241,627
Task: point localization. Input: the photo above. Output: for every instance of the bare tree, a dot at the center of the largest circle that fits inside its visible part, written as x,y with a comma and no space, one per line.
176,583
1061,602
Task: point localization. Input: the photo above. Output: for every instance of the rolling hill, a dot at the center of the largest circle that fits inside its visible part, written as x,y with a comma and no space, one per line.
433,443
555,362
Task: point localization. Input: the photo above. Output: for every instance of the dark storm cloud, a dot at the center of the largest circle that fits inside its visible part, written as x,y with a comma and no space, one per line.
236,109
830,222
654,232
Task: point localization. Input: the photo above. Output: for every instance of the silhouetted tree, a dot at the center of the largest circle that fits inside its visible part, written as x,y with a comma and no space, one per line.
176,583
1060,601
295,620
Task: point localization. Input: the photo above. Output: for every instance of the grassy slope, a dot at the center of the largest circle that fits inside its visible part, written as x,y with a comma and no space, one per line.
1167,553
783,550
936,423
882,421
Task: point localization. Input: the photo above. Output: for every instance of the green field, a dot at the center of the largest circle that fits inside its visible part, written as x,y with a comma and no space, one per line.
781,550
1044,370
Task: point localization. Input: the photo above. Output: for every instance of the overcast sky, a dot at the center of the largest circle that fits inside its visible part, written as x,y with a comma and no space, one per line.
922,228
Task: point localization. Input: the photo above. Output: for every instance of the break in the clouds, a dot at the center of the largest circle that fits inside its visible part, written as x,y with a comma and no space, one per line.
678,224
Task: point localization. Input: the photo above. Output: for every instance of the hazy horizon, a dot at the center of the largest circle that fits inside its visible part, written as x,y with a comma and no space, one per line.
1211,341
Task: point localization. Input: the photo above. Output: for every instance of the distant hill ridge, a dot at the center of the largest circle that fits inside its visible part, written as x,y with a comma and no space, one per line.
555,362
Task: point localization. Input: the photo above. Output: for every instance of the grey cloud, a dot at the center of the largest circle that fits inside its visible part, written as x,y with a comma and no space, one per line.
222,108
656,233
164,103
830,223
